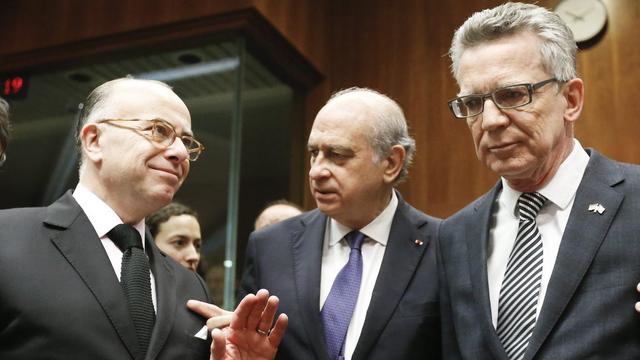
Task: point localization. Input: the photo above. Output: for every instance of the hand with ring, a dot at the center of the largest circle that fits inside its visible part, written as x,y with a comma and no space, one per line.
245,337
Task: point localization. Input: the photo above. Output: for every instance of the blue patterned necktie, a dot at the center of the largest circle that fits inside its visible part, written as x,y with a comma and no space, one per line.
520,289
136,283
338,308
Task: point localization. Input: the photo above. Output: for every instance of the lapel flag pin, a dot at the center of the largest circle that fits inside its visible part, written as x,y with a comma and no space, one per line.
596,208
419,242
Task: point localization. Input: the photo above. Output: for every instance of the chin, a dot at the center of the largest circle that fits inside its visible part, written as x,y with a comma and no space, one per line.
163,198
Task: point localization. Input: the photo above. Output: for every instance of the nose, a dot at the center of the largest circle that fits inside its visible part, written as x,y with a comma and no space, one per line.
177,152
193,256
492,116
318,169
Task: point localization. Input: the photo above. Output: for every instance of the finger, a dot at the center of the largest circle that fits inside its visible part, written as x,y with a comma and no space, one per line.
241,313
275,337
205,309
638,287
267,315
219,321
218,344
637,306
262,297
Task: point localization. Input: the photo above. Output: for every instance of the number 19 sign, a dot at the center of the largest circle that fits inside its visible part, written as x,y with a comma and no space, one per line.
14,86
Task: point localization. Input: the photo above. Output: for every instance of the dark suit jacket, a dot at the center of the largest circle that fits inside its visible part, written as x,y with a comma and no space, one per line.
61,299
402,321
588,308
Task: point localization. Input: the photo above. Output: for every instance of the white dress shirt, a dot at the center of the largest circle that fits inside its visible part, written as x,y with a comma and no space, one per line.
552,220
103,219
335,255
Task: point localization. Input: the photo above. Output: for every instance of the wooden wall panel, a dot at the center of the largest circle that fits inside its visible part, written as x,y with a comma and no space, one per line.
32,24
398,47
611,70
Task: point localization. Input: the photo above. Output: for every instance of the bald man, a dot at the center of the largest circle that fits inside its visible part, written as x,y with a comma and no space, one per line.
275,212
363,236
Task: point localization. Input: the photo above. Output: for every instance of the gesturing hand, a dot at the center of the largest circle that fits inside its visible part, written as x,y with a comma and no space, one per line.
250,335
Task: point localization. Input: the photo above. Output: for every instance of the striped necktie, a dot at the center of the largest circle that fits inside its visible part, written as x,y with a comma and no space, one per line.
520,289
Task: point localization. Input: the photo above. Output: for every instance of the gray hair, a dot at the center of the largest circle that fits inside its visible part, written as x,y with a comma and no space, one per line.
557,49
389,128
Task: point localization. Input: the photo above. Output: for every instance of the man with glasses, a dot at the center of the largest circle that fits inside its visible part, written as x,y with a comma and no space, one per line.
4,130
81,278
545,264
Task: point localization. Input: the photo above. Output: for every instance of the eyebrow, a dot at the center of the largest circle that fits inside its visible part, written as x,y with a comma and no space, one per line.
499,86
332,148
184,133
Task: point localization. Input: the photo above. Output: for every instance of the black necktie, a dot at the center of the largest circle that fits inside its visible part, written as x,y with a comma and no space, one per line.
136,282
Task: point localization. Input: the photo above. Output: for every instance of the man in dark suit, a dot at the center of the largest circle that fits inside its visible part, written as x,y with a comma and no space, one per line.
360,149
544,265
61,267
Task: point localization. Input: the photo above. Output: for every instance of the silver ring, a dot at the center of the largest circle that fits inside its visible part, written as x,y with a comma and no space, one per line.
262,332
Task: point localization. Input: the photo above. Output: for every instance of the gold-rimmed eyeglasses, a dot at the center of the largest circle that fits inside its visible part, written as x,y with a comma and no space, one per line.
160,132
507,97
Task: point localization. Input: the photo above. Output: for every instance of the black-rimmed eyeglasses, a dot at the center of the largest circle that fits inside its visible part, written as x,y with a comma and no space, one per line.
162,133
507,97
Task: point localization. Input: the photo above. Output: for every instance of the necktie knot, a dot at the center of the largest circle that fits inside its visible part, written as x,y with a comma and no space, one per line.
355,239
529,205
125,237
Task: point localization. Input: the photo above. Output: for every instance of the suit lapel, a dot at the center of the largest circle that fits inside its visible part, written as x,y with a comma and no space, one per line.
166,298
307,263
582,237
400,261
73,235
477,241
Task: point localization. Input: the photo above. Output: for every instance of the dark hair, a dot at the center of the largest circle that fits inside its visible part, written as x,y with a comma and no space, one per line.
164,214
5,127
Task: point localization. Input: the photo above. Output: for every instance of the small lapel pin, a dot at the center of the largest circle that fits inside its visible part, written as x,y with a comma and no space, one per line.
596,208
419,242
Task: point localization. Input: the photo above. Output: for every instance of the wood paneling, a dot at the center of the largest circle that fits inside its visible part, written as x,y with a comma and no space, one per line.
30,24
398,47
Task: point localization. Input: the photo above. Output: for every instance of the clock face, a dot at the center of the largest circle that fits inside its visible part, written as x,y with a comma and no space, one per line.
585,18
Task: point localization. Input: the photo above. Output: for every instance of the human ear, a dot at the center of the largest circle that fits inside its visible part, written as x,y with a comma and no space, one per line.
573,93
393,163
90,142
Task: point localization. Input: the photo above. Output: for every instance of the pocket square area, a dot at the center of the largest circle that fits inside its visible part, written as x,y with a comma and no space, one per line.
202,333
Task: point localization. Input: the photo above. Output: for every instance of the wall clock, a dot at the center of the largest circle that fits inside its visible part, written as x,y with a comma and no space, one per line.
585,18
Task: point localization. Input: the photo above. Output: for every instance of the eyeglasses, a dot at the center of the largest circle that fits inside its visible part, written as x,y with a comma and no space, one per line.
3,158
507,97
162,133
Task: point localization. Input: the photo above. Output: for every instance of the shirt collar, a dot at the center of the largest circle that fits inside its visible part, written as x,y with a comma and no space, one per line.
562,188
101,215
377,230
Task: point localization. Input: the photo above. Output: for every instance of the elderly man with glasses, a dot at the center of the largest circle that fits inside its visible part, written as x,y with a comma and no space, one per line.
545,264
82,278
4,130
